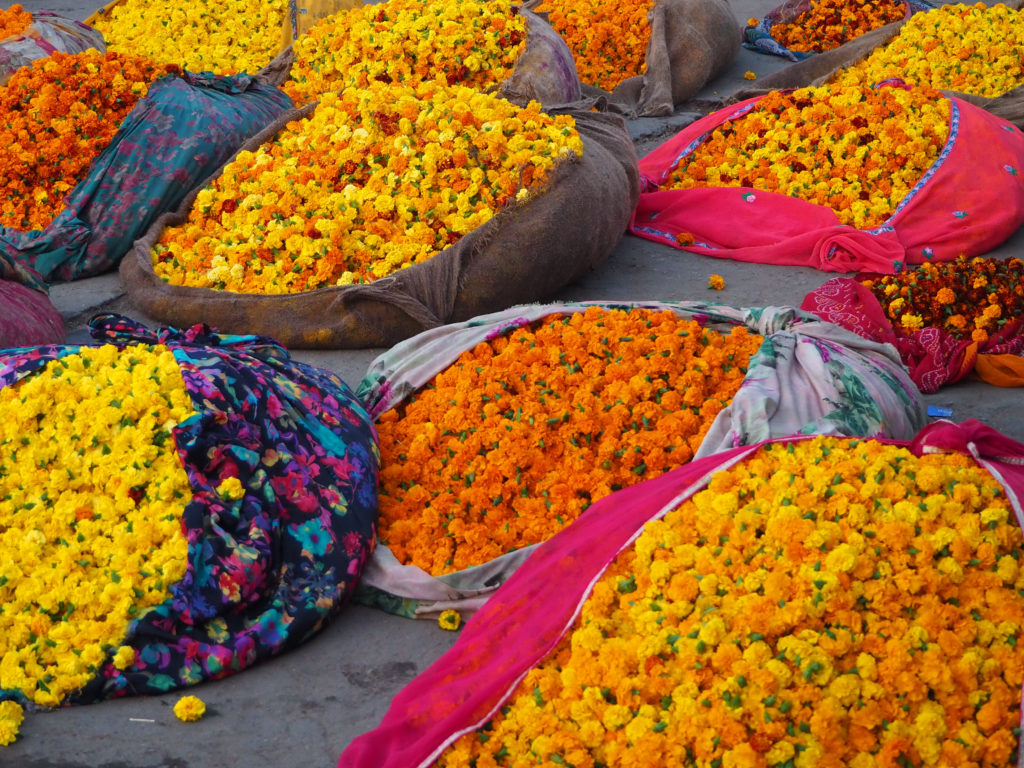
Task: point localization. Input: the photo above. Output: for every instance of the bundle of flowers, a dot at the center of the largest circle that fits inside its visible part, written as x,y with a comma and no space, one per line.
818,601
828,601
827,24
972,49
521,434
13,21
224,37
851,178
468,42
608,40
59,114
91,517
946,320
163,520
412,169
855,149
498,432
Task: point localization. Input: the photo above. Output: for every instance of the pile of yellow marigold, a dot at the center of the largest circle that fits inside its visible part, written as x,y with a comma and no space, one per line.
827,24
225,37
58,116
376,179
973,49
829,602
520,435
468,42
855,149
91,497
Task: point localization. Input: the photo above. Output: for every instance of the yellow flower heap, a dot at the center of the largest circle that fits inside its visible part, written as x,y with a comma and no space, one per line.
972,49
831,603
376,179
855,149
90,511
470,42
225,37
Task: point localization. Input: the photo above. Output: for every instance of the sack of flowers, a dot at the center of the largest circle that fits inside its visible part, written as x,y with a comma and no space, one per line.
227,38
798,29
489,45
958,48
27,316
947,320
498,432
177,506
839,178
439,203
29,35
648,56
98,145
817,601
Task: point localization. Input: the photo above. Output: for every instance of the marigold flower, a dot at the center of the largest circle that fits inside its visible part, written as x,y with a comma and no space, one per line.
13,21
449,619
911,322
716,282
188,709
748,75
11,717
231,489
685,238
979,335
124,657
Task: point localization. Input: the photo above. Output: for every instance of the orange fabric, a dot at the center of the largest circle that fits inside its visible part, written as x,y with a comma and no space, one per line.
1001,370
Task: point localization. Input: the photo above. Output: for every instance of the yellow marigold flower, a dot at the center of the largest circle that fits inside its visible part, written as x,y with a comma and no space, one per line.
912,322
189,709
11,718
449,619
124,657
716,282
231,489
748,75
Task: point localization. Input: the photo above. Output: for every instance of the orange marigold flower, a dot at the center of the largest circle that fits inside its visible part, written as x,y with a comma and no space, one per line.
684,239
979,335
945,296
748,75
14,21
716,282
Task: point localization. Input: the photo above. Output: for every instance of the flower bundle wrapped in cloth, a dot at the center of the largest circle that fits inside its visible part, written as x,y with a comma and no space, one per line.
489,45
176,506
798,29
947,320
497,432
825,601
439,203
27,36
226,38
97,145
839,178
27,316
645,57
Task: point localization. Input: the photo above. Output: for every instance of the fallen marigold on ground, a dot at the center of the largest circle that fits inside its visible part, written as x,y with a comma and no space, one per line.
855,149
827,24
522,434
189,709
828,602
412,169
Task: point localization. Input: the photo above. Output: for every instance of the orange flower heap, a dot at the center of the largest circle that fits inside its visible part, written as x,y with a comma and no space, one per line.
827,603
608,40
469,42
827,24
13,21
59,114
966,298
855,149
519,436
376,179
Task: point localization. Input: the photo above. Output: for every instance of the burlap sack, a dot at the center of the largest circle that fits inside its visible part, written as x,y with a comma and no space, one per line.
525,253
544,72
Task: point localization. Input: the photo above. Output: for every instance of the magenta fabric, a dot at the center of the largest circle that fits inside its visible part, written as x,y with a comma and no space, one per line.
932,356
970,201
27,317
529,614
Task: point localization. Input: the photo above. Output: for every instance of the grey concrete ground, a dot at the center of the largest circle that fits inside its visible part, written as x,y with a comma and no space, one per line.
302,709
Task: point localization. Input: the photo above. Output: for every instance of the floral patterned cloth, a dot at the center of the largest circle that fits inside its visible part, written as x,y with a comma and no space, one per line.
267,571
170,143
809,377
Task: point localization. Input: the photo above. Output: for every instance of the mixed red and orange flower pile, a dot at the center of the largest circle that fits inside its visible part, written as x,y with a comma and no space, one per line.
827,24
825,603
13,21
376,179
855,149
973,49
966,298
518,437
469,42
58,115
608,40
